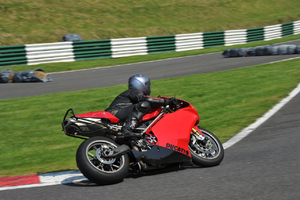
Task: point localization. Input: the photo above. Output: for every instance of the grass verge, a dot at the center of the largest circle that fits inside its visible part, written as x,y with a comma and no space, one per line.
32,140
40,21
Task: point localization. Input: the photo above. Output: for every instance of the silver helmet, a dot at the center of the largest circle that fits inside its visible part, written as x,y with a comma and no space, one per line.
140,82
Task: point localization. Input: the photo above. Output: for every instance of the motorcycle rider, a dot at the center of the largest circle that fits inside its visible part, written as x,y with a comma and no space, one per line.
131,105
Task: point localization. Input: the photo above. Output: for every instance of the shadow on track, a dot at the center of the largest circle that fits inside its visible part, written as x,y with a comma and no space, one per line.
83,182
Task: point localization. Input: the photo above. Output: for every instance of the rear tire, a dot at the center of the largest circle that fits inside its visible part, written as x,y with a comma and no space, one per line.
95,167
208,155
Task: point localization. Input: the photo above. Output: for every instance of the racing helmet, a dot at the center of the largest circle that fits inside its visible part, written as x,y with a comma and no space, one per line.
140,82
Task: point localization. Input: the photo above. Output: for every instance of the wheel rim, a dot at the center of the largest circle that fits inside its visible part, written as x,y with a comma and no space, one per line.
95,152
210,150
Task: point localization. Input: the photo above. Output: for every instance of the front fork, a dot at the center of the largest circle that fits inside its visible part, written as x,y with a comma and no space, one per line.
199,135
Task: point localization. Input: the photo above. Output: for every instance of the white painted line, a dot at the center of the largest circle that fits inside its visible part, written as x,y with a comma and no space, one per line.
246,131
283,60
61,177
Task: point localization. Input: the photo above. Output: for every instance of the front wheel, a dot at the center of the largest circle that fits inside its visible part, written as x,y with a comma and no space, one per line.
97,168
206,153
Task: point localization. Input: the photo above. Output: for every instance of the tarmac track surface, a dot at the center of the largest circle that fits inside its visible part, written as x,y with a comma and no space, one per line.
264,165
118,75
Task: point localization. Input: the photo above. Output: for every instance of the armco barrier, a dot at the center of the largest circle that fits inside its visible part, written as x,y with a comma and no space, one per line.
255,34
273,32
186,42
287,29
13,55
160,44
49,52
235,37
296,29
129,47
33,54
213,39
91,50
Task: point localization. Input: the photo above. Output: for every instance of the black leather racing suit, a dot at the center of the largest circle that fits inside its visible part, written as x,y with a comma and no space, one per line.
131,105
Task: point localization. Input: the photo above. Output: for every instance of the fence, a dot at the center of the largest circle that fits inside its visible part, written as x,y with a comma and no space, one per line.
33,54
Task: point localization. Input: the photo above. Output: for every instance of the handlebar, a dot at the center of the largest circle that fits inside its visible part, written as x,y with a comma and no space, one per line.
173,103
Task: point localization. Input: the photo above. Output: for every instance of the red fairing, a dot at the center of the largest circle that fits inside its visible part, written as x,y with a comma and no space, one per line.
173,129
153,113
100,114
107,115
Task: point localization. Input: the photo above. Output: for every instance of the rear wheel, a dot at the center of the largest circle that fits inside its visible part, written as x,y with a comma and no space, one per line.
97,168
206,153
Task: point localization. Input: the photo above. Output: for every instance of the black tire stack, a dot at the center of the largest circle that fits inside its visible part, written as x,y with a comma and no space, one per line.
262,51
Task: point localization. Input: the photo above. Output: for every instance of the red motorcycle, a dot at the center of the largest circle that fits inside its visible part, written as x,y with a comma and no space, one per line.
169,135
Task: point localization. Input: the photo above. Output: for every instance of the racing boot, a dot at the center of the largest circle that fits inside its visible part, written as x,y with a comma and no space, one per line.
139,111
127,129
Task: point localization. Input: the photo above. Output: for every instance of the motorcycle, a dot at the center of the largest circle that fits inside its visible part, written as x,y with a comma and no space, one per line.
170,134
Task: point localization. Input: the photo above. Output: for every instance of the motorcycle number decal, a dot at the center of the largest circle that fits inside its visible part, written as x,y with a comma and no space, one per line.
176,148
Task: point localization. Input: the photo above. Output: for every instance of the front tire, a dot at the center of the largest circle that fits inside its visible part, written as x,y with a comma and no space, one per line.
209,154
95,167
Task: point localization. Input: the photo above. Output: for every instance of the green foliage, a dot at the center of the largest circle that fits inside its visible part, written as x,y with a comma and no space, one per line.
227,101
43,21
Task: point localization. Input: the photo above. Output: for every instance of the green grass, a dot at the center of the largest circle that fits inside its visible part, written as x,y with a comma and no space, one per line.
42,21
32,140
31,136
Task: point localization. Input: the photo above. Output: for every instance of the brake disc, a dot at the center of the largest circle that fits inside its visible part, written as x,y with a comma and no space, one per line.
106,151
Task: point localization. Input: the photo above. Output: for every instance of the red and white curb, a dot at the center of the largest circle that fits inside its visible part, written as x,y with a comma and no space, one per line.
38,180
47,179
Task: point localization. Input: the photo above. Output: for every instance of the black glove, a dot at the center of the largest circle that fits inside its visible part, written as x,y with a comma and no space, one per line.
170,101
